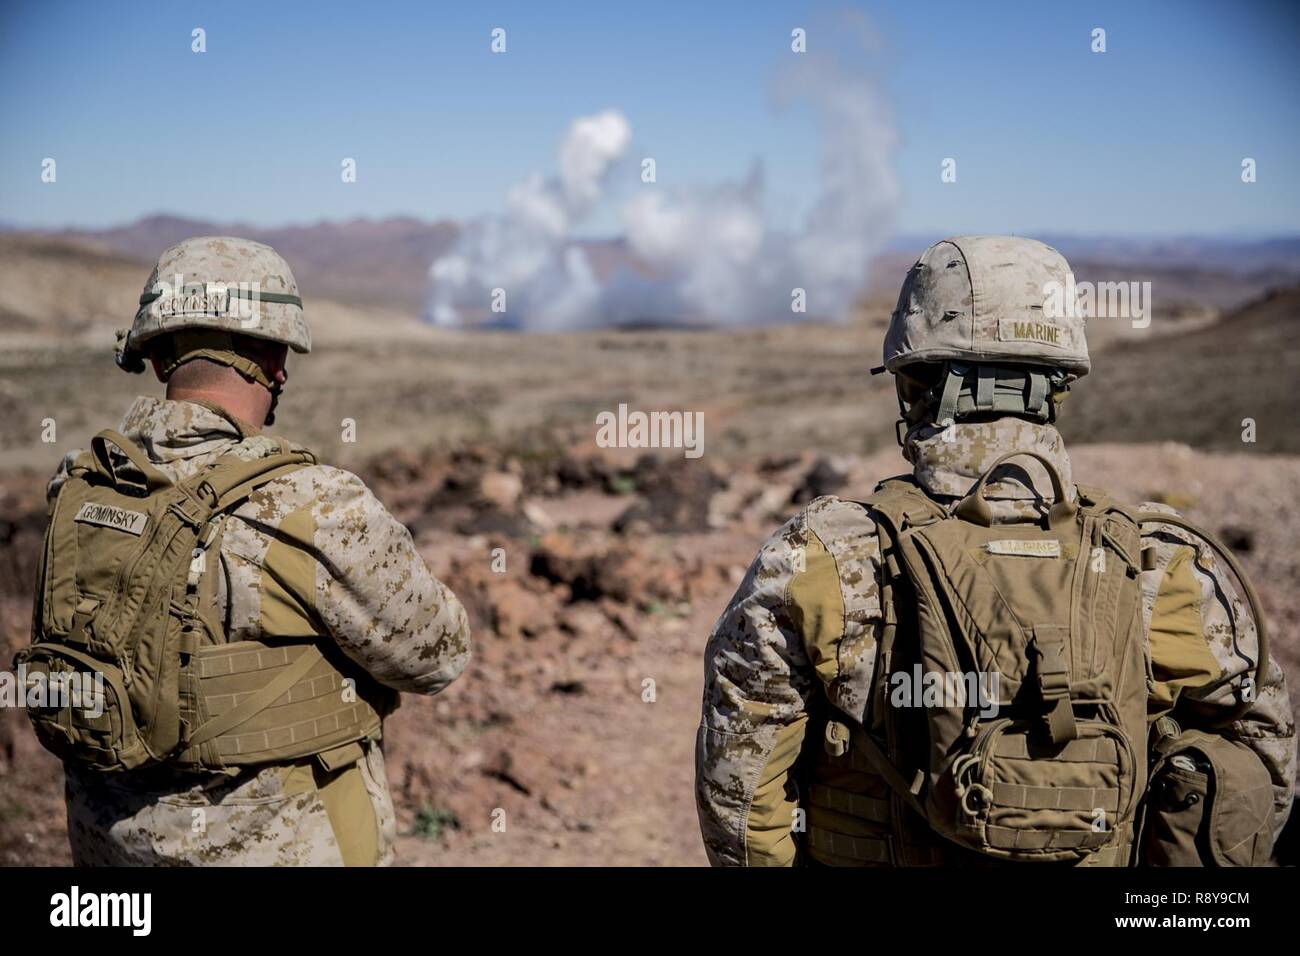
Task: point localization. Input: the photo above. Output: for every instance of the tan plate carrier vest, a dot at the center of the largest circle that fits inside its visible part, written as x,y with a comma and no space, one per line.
127,590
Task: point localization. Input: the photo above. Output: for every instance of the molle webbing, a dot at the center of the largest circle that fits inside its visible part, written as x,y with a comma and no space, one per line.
251,703
850,828
862,850
854,828
858,805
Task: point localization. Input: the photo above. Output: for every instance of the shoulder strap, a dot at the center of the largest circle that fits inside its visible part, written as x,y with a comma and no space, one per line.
1256,611
1098,501
877,757
903,503
896,505
889,509
230,479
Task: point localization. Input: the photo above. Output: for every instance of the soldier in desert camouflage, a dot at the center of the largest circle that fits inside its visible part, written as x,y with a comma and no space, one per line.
311,555
785,765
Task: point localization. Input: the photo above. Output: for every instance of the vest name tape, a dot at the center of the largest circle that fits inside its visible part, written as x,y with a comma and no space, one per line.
121,519
1025,549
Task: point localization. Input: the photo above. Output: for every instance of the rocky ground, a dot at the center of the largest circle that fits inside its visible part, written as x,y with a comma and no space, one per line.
592,576
591,580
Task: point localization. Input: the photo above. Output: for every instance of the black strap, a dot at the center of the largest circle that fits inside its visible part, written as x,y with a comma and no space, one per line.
878,759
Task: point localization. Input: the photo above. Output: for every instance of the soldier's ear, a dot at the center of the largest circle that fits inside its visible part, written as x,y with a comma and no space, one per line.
157,368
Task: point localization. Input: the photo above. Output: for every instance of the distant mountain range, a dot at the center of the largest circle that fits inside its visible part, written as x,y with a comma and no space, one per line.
385,262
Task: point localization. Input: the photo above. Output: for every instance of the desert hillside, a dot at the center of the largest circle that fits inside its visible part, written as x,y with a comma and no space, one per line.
617,562
1198,387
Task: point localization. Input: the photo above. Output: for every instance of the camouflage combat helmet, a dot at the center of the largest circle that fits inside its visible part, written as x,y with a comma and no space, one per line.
207,289
982,324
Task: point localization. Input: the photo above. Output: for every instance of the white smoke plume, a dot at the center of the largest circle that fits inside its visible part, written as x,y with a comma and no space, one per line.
702,255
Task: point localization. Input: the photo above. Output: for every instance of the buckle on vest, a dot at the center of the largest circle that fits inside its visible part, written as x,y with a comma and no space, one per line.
188,510
836,740
1052,678
82,619
206,489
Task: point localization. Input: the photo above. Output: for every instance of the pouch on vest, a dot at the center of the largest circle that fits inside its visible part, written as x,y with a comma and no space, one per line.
1024,646
118,627
1210,803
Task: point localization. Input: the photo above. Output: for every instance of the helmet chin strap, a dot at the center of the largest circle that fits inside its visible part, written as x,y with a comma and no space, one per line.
275,400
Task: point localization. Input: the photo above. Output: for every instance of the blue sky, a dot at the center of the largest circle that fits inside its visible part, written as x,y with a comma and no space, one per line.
1145,139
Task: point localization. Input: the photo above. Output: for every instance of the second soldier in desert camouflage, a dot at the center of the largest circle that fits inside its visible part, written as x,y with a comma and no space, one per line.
789,764
309,561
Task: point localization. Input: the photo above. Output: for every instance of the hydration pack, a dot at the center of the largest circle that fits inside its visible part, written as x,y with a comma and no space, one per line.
126,605
1029,740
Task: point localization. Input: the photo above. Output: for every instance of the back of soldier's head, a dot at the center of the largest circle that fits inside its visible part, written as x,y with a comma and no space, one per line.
217,301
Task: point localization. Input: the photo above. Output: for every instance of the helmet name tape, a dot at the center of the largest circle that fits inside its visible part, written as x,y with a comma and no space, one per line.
212,298
1041,333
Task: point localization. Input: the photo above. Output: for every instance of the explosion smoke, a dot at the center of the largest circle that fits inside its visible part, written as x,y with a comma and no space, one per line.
705,254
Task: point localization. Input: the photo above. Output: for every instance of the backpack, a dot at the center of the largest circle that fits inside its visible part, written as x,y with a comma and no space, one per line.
1027,644
125,597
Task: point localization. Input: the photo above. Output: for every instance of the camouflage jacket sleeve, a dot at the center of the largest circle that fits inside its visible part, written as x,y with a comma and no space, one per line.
364,580
794,628
1204,650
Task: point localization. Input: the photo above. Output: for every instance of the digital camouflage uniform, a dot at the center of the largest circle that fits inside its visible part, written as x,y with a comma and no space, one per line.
310,554
801,635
